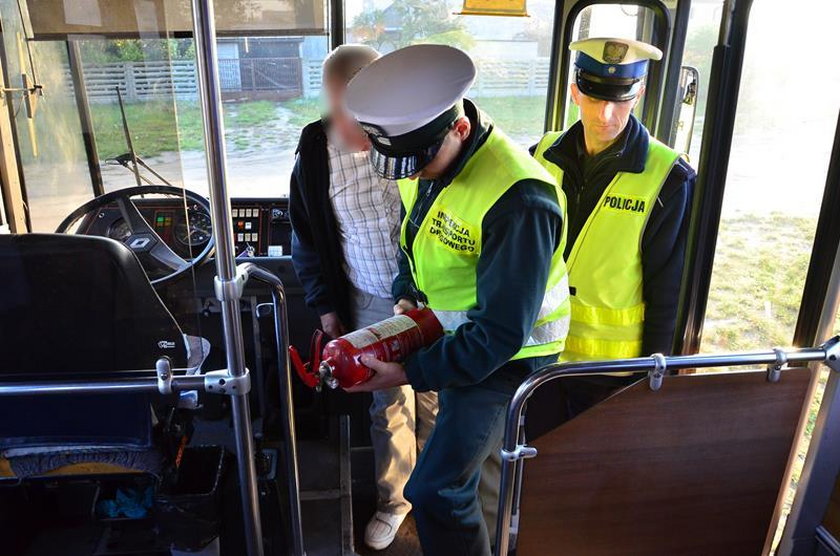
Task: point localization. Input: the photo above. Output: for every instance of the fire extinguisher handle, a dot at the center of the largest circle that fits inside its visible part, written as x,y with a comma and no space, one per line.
304,371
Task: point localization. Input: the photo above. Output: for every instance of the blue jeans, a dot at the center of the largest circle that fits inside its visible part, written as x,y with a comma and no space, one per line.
443,487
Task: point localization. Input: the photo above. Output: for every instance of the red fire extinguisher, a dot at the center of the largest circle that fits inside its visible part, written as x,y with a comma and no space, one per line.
339,363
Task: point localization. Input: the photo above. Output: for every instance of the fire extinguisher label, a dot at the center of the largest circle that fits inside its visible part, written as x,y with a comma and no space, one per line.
387,328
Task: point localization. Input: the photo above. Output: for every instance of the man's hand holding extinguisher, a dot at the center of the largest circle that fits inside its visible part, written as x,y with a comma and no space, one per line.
387,375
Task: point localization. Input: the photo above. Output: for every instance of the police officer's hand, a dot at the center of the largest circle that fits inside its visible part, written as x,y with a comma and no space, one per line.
403,305
386,375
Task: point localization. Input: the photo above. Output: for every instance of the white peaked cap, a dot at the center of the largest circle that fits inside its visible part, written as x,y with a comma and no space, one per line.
408,88
630,51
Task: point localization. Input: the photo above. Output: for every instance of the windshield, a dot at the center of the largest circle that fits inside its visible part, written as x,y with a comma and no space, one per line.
119,87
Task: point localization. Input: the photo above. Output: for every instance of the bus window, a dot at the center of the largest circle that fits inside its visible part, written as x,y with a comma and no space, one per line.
150,75
780,153
700,41
512,53
52,154
270,89
609,20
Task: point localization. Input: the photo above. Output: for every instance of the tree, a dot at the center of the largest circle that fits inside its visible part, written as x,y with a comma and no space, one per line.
98,51
408,22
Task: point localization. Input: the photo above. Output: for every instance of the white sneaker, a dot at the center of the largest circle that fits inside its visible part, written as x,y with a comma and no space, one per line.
382,528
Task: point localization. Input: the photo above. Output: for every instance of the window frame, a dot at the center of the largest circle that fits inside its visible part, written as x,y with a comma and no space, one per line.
565,18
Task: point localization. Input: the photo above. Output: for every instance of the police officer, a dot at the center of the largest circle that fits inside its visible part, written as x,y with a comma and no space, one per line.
628,208
482,245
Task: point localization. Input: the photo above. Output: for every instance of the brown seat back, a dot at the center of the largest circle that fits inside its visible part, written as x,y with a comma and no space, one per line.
693,469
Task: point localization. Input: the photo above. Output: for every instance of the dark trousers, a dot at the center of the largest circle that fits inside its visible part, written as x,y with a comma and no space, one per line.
444,486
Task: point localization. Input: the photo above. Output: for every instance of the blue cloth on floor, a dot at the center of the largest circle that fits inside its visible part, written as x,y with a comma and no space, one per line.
131,502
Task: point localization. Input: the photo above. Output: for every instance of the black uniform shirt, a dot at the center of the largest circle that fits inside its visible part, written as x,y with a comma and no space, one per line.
663,244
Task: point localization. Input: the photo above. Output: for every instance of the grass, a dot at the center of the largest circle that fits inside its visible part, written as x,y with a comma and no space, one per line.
754,299
158,127
516,116
303,111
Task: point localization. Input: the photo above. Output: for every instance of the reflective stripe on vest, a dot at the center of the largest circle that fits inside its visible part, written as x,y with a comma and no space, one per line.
557,296
446,249
605,263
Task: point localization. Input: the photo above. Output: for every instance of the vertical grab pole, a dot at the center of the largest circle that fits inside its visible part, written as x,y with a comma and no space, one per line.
204,33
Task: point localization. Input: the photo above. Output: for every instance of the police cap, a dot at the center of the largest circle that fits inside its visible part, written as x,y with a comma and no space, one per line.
406,101
612,69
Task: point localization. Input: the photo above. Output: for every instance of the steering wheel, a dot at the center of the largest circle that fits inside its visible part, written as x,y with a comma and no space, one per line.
154,254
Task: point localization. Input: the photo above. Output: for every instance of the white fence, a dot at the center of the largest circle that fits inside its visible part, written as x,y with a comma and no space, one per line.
140,80
147,80
496,78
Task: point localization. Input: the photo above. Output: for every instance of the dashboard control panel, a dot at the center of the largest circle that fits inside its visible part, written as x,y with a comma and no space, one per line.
261,227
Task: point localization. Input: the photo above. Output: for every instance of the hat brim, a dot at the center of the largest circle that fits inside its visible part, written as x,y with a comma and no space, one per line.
395,167
605,89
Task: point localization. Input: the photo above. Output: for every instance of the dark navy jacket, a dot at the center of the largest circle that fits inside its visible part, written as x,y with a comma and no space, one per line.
519,235
663,244
316,242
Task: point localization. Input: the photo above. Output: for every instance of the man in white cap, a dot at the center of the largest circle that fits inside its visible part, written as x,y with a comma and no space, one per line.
482,244
629,202
346,223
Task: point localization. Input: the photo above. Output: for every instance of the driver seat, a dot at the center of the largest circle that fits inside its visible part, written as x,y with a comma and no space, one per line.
75,307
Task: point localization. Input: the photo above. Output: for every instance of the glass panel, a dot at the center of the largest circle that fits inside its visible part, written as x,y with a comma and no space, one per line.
512,54
150,74
268,93
777,171
701,38
608,20
270,86
57,19
50,147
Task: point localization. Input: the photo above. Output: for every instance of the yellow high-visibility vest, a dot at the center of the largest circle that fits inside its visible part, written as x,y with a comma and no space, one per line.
605,263
449,240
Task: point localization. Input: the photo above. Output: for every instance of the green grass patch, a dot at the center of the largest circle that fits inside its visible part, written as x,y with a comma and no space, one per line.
159,126
155,128
303,110
516,115
754,300
250,113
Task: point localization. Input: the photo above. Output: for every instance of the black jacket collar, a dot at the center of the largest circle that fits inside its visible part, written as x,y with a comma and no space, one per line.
627,154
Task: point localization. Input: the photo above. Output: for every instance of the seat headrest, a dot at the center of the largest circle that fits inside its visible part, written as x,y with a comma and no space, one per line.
72,304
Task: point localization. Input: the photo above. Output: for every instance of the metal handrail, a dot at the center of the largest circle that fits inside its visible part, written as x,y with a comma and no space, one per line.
514,450
284,373
101,386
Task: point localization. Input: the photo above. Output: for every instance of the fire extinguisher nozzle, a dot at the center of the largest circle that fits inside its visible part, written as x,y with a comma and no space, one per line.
325,372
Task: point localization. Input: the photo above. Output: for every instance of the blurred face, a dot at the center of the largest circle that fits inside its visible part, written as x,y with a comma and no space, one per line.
341,121
449,150
603,120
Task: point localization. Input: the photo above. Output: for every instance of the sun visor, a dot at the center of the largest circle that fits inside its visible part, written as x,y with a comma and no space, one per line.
510,8
59,19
